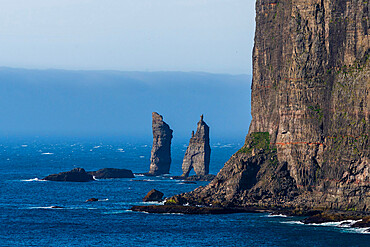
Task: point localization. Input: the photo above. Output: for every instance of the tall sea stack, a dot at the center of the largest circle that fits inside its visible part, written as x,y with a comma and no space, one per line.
308,143
160,159
198,153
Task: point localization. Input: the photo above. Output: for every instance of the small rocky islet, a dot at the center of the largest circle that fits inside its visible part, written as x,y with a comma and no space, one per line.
80,175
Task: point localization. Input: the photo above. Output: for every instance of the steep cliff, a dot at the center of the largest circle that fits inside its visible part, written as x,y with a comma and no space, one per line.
308,143
198,153
160,160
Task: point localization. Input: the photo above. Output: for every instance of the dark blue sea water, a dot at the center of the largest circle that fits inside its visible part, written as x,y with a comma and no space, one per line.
26,218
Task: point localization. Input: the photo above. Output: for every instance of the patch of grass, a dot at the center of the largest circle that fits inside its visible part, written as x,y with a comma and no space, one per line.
256,140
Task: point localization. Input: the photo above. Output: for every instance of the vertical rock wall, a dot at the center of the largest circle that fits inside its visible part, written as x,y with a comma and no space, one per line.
311,88
160,160
198,153
308,143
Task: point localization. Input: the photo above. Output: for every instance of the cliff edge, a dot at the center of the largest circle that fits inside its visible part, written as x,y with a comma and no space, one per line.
308,143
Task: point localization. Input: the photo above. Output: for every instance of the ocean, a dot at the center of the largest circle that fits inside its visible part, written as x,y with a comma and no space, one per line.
27,219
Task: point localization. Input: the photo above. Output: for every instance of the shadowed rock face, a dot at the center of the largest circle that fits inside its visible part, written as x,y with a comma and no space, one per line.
75,175
198,153
308,143
160,159
153,196
107,173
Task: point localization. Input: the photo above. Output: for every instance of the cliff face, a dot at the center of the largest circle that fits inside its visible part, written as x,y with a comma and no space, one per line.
160,160
308,143
198,153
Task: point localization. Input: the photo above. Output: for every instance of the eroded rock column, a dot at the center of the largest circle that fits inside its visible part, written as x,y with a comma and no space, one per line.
198,153
160,160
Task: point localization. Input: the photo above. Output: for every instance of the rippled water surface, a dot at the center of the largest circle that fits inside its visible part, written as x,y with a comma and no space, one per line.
27,219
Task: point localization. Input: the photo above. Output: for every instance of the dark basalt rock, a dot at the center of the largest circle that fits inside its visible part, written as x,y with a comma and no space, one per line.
153,196
92,200
188,182
198,153
308,142
364,223
160,160
337,216
56,207
178,209
75,175
107,173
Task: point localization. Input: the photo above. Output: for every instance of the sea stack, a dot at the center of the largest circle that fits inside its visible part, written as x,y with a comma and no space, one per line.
160,159
198,153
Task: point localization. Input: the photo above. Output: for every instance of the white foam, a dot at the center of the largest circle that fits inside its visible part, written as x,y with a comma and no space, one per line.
24,146
344,223
359,230
104,200
277,215
118,212
47,153
33,180
97,146
142,157
151,203
293,222
49,207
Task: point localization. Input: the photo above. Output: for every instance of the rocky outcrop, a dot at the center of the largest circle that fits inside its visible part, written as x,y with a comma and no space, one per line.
107,173
75,175
198,153
177,209
308,143
160,159
92,200
153,196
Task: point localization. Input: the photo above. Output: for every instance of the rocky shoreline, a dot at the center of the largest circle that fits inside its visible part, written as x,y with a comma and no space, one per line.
349,218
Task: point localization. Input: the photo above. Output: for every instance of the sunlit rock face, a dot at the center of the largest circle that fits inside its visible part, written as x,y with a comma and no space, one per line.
198,153
160,160
310,102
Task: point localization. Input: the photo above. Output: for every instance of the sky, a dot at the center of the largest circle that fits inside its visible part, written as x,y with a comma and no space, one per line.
129,35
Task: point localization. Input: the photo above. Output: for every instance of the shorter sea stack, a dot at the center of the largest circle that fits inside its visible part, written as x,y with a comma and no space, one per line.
75,175
160,159
107,173
198,153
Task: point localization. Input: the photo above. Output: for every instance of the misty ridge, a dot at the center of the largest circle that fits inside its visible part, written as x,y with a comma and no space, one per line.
115,103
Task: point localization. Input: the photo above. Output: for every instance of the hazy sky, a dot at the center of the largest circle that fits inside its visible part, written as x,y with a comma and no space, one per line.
146,35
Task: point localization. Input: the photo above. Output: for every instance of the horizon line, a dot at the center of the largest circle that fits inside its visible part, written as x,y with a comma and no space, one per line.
122,71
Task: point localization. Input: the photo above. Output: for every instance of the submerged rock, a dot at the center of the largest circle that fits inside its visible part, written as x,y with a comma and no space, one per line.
198,153
75,175
153,196
107,173
160,159
92,200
